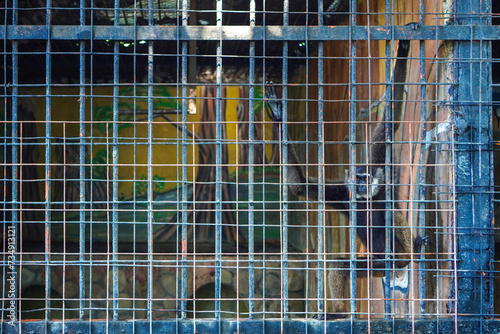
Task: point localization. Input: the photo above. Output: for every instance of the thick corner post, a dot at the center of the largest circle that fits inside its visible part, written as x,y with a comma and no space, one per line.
473,165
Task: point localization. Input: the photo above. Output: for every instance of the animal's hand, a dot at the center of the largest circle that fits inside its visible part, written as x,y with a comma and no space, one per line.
330,316
419,242
413,25
405,43
273,103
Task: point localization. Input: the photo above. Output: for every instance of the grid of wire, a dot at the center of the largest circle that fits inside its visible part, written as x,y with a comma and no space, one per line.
143,178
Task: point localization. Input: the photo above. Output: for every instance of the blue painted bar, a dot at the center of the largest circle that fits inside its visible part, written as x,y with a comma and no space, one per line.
150,178
284,155
224,326
83,222
421,170
48,170
487,108
218,168
115,161
150,166
321,180
15,182
251,170
277,33
262,284
389,232
135,203
352,161
184,172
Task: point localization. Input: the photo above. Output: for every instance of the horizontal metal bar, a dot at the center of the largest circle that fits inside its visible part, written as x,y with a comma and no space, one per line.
271,33
443,325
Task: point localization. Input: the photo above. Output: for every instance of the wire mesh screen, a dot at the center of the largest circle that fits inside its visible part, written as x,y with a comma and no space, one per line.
248,166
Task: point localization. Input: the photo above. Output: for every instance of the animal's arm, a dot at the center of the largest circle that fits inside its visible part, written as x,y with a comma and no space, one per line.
399,78
336,192
336,13
403,241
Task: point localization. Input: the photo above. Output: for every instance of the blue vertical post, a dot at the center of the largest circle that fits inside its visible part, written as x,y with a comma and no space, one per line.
184,172
473,166
262,284
91,181
81,274
218,165
352,162
321,180
134,177
116,93
389,179
150,218
15,144
48,184
421,168
284,154
251,174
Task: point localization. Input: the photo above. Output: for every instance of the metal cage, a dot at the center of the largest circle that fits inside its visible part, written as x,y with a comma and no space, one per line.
147,185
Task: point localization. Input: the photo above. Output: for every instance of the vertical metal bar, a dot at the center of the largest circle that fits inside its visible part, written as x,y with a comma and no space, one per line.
150,171
91,175
284,154
475,166
116,93
263,187
48,184
133,294
184,203
251,170
15,215
449,241
352,162
389,233
452,303
421,169
81,274
218,166
321,180
487,53
365,151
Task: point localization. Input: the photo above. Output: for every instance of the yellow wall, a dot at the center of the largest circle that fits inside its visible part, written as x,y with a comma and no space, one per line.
133,136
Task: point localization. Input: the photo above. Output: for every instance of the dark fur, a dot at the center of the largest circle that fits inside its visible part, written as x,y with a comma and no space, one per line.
371,209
